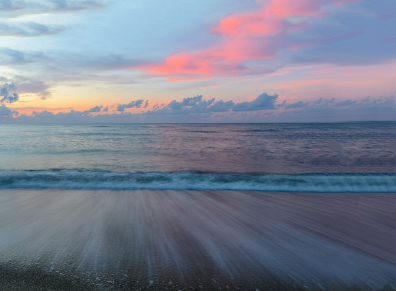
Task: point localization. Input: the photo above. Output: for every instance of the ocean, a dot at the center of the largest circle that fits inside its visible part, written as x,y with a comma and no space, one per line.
342,157
198,206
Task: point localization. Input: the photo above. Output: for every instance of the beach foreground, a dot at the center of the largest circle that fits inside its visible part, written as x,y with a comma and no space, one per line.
202,240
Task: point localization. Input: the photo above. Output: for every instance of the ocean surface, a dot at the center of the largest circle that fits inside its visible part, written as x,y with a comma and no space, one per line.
329,157
198,207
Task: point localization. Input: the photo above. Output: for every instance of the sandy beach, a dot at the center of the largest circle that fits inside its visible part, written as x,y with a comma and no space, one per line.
114,240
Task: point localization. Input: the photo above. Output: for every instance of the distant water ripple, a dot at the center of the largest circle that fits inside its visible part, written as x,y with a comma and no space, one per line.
218,148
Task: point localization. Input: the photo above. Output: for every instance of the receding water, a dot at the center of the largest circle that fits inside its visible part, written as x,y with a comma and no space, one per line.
143,239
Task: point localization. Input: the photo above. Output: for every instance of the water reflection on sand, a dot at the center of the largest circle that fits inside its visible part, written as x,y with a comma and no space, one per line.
310,238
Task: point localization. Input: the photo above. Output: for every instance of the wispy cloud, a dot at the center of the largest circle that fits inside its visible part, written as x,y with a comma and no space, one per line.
12,57
27,29
13,8
28,85
256,36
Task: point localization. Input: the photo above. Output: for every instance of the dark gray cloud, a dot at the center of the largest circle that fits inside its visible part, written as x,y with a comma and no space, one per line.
191,109
298,104
346,103
8,94
197,109
262,102
95,109
202,106
322,101
283,104
4,112
221,106
193,105
190,102
27,29
134,104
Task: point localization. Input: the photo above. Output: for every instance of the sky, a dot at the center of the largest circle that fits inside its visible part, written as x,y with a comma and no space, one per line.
67,61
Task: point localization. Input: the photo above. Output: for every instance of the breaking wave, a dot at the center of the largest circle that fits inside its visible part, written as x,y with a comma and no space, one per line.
76,179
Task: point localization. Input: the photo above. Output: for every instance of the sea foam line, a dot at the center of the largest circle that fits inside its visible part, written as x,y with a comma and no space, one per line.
68,179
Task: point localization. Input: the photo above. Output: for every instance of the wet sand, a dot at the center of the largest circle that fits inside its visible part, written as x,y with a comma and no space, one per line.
196,240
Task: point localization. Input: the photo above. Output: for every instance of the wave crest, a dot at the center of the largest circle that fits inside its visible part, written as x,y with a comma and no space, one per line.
68,179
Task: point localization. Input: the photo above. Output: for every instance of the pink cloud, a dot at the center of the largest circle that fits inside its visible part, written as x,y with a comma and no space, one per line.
257,36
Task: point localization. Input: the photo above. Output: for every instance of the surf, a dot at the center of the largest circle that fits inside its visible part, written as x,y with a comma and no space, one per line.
107,180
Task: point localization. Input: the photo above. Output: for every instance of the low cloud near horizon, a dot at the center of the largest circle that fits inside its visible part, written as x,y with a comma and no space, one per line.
264,108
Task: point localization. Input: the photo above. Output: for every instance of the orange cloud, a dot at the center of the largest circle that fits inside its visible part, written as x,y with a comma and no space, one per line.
255,36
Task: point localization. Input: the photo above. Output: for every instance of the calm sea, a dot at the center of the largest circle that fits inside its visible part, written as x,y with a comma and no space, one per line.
342,157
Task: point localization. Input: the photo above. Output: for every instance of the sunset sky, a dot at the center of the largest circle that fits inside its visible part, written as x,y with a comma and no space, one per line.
197,61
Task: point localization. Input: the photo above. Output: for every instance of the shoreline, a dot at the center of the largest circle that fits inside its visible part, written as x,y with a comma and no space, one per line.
247,240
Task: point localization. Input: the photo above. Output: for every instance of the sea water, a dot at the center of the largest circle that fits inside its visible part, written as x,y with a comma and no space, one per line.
328,157
198,206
